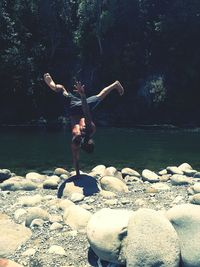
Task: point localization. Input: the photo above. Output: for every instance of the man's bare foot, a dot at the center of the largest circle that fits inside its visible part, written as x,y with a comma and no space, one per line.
119,88
49,81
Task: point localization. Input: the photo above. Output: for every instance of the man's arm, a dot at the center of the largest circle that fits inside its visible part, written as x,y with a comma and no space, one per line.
75,155
85,107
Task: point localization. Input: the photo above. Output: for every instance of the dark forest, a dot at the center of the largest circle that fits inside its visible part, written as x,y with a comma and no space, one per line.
151,46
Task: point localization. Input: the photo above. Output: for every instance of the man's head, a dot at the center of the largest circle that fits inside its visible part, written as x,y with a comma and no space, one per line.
87,145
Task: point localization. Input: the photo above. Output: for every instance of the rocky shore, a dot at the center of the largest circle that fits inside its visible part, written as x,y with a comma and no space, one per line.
106,217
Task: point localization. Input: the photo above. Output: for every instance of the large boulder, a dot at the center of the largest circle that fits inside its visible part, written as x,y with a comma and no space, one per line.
113,184
151,241
186,221
77,217
12,235
106,233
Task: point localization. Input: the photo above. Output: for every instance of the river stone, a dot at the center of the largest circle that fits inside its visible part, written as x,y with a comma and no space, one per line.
174,170
36,213
113,184
195,199
190,173
18,183
30,201
99,169
132,179
177,179
5,174
165,177
37,223
110,171
9,263
35,177
186,221
150,176
29,252
130,172
19,215
70,189
12,236
161,186
197,175
185,166
162,172
76,217
107,194
56,226
151,241
52,182
60,171
58,250
61,204
76,197
106,233
196,188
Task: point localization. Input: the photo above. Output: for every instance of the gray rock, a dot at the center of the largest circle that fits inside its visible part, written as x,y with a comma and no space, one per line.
76,197
195,199
57,250
197,175
106,233
186,221
177,179
52,182
151,241
76,217
99,170
150,176
189,173
18,183
185,166
107,194
174,170
113,184
130,172
36,213
30,201
35,177
162,172
37,223
161,186
60,171
110,171
12,235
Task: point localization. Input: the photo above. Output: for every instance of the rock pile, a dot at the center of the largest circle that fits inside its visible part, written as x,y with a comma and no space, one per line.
105,216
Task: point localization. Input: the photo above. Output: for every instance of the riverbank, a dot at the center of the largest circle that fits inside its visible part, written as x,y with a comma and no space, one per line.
57,233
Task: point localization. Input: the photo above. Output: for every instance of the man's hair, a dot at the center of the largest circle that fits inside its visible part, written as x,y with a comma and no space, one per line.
87,145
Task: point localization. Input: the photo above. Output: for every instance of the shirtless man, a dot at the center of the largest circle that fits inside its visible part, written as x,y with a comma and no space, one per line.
82,125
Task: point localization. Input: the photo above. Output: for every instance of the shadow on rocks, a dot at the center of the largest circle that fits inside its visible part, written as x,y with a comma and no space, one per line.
88,183
93,260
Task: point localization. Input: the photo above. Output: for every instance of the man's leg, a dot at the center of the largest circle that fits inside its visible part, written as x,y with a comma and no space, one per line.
116,85
55,87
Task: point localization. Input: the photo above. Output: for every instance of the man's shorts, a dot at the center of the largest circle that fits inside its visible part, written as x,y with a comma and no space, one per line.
75,106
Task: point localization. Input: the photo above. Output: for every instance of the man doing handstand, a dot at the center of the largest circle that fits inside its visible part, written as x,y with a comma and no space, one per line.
82,125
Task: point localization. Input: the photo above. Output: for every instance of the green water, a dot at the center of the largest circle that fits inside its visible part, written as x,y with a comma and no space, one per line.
25,150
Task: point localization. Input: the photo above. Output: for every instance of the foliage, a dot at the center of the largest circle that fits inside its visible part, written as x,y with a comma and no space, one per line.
99,41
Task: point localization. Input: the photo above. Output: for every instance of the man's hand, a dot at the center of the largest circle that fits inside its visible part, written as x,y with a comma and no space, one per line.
79,88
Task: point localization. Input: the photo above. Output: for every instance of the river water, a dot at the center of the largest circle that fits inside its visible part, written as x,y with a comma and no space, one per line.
38,150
